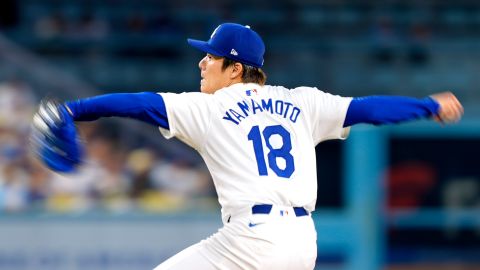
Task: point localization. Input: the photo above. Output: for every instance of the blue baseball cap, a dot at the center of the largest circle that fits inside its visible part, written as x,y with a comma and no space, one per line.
234,41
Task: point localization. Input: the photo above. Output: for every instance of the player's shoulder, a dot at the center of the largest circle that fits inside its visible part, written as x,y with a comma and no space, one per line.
313,93
198,96
306,90
295,90
188,99
280,89
186,94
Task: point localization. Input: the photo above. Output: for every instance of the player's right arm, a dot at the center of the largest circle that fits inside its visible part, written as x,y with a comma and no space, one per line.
145,106
54,134
185,116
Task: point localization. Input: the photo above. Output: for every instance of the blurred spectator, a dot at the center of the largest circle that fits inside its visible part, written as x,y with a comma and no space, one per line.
74,191
384,39
16,108
136,23
13,188
51,26
418,54
140,163
17,104
158,185
112,185
14,179
40,176
181,178
90,27
162,23
100,182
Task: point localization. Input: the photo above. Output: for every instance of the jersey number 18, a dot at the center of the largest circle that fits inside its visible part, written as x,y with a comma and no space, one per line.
282,152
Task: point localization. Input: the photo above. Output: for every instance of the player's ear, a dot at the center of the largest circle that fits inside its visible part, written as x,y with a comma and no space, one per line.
237,70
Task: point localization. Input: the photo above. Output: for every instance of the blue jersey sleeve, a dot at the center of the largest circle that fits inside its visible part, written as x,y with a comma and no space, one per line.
146,106
379,110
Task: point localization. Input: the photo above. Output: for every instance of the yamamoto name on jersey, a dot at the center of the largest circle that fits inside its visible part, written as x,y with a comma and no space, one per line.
249,107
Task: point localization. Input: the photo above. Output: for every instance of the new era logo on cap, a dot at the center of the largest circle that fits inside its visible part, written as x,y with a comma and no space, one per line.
234,41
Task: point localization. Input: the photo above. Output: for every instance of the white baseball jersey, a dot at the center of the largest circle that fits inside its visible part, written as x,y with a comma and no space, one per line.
258,142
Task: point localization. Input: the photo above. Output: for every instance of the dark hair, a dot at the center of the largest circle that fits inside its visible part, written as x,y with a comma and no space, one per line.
250,74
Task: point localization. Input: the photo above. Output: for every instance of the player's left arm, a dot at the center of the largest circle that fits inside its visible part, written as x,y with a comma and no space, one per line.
451,110
378,110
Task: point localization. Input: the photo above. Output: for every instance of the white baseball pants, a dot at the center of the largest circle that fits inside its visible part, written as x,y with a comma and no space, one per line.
278,240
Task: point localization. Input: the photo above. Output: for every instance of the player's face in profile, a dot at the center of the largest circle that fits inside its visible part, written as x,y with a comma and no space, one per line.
213,77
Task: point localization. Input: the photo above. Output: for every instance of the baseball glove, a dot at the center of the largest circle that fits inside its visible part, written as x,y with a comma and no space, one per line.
54,137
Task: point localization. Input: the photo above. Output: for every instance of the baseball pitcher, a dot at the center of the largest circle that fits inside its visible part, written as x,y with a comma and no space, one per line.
258,142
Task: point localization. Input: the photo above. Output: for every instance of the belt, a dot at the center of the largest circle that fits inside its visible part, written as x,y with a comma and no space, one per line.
267,208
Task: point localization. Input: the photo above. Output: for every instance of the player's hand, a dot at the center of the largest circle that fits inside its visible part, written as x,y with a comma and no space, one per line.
54,137
451,110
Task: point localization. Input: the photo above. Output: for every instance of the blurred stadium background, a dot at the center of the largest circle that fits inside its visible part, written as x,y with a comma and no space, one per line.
403,197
